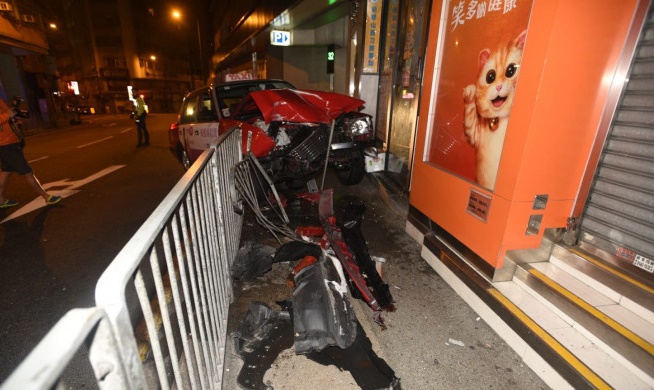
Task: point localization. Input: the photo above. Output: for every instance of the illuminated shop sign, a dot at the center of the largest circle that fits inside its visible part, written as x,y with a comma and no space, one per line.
73,87
371,37
280,38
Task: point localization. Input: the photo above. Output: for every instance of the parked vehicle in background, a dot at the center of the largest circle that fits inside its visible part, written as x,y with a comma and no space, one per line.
78,109
288,129
86,110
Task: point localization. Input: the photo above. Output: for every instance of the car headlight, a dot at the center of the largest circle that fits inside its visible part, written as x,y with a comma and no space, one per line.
358,125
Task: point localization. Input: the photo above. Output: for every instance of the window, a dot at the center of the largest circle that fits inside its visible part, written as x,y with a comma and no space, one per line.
114,62
207,112
189,110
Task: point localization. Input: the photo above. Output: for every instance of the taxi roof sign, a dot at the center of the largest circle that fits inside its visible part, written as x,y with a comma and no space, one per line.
238,76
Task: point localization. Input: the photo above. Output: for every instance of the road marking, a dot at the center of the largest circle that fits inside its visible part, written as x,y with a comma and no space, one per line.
71,188
126,130
110,124
95,142
38,159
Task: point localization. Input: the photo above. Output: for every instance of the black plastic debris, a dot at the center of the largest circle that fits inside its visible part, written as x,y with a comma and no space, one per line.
296,250
252,260
368,370
262,335
350,224
322,313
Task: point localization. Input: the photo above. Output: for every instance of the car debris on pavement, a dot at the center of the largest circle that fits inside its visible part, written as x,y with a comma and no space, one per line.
328,265
264,333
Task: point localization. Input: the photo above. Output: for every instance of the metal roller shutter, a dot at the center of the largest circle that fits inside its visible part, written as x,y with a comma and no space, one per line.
619,216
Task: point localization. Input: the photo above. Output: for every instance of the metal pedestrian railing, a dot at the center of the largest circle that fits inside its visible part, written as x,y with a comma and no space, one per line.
162,305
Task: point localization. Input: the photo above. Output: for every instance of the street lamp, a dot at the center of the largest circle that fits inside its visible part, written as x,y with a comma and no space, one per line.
177,15
153,59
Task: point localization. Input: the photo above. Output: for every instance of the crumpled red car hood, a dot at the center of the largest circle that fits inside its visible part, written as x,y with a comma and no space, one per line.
303,106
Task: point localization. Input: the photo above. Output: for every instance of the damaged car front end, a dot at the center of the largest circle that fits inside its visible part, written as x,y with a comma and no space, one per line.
293,133
307,130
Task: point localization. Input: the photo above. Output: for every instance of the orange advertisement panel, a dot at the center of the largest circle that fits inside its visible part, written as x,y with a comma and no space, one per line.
481,52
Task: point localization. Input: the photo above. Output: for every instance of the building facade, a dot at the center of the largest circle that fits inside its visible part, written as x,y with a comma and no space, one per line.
68,53
26,69
112,44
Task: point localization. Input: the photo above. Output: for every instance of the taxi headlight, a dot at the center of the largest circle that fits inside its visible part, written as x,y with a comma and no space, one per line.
358,125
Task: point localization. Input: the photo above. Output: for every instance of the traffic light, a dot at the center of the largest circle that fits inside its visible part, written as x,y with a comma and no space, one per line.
331,55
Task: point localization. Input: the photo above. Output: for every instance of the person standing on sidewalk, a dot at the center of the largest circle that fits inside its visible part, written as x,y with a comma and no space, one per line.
13,160
141,129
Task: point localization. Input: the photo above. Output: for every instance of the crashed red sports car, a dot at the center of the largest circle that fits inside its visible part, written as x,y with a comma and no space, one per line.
289,129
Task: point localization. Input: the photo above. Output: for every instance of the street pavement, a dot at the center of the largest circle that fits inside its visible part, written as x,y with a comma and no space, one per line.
434,340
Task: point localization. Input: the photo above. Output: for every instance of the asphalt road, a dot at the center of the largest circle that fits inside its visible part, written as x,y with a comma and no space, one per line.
51,257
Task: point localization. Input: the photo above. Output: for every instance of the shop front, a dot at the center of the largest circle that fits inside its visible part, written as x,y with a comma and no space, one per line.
400,69
531,190
517,100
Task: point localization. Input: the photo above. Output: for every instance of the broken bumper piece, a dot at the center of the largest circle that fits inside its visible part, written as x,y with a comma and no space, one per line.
322,314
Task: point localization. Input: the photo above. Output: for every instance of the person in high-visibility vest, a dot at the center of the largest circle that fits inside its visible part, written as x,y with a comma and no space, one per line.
141,129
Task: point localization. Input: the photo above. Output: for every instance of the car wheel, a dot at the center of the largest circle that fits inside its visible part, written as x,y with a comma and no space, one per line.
353,170
186,162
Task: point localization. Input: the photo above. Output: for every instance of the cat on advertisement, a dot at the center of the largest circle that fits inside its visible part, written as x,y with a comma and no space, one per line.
487,105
